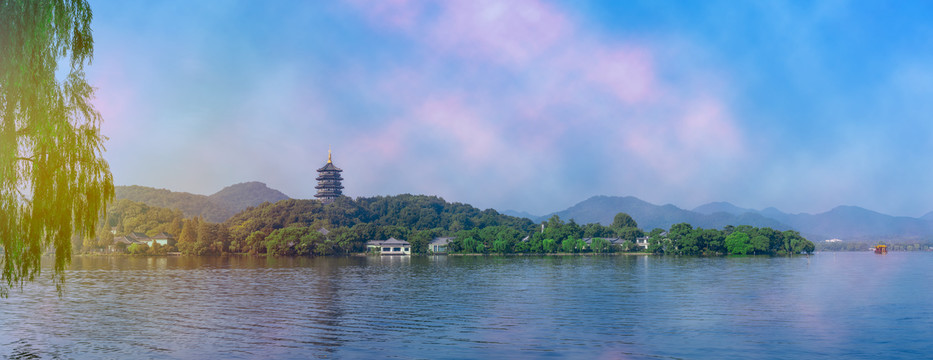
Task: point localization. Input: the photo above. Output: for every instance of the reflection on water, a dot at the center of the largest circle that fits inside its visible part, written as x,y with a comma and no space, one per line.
851,305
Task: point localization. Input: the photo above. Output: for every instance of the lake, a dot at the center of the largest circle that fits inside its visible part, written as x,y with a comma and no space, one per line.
828,305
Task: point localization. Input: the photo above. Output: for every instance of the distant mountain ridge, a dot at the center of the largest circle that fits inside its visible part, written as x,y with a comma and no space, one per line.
521,214
243,195
217,207
602,209
843,222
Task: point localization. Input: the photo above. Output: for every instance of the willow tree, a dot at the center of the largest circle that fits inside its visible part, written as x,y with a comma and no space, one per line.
54,182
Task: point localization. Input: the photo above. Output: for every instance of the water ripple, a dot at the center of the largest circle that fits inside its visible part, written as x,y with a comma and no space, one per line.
616,307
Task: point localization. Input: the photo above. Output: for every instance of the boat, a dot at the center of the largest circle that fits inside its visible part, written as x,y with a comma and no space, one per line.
881,249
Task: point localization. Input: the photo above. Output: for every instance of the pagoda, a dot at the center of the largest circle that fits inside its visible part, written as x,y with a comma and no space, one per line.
328,182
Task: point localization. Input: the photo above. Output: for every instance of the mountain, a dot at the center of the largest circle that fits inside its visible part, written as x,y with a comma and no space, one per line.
521,214
928,216
215,208
602,209
843,222
721,206
856,223
243,195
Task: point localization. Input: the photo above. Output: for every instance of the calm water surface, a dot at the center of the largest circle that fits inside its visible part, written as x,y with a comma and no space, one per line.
830,305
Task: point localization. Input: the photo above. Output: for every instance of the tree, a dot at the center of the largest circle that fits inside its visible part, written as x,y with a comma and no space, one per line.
760,244
737,243
138,249
255,242
568,245
600,245
105,239
54,181
623,220
501,246
419,241
189,236
550,246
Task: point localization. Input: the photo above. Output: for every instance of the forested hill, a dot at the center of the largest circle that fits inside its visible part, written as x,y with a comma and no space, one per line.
215,208
412,212
244,195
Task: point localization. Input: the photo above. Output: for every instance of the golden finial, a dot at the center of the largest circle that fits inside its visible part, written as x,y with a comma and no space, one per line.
328,156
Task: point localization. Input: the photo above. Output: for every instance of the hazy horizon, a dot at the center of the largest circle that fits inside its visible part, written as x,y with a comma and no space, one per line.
525,105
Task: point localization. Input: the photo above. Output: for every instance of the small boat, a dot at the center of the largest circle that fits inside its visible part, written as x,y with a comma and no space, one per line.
881,249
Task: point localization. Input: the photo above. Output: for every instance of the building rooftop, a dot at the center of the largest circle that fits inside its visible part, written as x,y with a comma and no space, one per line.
394,241
441,241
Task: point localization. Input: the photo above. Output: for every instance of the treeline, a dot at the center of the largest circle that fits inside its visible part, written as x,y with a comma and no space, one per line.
554,236
414,212
308,227
292,227
126,217
683,239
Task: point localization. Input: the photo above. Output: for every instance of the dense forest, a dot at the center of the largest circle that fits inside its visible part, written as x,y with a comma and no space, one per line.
308,227
683,239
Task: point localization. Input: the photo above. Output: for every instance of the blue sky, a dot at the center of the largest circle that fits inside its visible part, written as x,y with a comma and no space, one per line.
526,105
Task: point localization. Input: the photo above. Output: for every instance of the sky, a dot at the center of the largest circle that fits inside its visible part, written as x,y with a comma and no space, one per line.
526,105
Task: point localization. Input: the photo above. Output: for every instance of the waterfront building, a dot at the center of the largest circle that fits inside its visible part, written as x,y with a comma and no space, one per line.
642,242
392,246
138,237
120,243
162,239
328,182
439,245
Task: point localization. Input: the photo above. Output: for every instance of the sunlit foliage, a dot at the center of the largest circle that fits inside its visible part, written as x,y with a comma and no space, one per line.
54,182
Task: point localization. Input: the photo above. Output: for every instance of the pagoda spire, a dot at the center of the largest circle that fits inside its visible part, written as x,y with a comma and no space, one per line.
328,157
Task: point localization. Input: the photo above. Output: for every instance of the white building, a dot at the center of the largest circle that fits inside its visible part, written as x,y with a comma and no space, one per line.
392,246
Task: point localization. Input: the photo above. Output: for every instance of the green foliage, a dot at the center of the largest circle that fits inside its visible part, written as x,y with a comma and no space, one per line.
255,243
307,241
623,220
550,246
737,243
137,249
156,249
408,212
416,219
600,245
54,181
571,245
760,244
594,230
629,233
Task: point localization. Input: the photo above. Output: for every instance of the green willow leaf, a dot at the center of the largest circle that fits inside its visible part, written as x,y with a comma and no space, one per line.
54,182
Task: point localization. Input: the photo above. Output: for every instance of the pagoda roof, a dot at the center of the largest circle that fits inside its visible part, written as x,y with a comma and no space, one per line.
329,167
329,187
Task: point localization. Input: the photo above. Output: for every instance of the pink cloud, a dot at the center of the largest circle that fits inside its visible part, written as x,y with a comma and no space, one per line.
513,32
533,84
627,72
699,136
